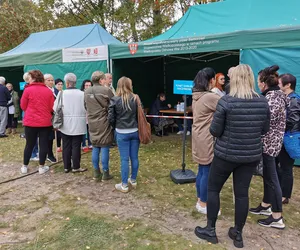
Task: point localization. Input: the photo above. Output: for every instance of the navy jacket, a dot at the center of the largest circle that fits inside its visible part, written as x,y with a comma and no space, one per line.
156,107
4,96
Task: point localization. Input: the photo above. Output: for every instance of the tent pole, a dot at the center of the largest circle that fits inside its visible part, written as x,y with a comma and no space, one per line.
165,78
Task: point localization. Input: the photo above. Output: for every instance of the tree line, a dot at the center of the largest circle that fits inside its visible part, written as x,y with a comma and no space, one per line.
127,20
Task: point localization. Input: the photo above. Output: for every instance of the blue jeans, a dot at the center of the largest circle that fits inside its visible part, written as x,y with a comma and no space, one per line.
128,145
35,150
104,157
180,124
202,182
86,137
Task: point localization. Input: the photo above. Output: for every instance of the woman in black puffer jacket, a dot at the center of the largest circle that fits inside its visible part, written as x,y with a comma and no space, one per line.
240,120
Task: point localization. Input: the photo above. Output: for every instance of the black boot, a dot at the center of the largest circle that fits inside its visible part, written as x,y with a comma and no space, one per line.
236,236
207,233
97,175
106,176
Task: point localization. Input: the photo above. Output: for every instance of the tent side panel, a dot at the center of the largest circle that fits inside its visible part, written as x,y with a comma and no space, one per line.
288,59
83,70
33,58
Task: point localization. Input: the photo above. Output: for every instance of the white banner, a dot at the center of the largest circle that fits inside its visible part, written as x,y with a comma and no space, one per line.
98,53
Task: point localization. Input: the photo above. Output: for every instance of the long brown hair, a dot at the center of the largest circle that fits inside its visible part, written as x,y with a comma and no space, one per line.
124,90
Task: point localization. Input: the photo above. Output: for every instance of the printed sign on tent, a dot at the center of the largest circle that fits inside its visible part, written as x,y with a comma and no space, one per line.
183,87
98,53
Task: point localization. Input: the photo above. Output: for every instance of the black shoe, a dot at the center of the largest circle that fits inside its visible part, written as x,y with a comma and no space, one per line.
285,201
52,159
79,170
261,210
3,136
271,222
236,236
207,233
67,170
166,133
158,134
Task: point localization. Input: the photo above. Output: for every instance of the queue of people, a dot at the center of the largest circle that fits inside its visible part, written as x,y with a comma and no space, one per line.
234,128
95,103
246,127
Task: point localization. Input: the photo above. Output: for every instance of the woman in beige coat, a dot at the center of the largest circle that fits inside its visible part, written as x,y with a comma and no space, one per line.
204,106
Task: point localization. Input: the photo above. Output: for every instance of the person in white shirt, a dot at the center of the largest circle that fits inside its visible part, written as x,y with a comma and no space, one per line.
74,123
219,87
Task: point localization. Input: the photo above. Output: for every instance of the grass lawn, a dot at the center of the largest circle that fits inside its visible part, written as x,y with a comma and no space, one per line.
59,211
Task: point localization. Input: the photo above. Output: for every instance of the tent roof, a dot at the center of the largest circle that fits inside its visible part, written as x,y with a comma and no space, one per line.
226,25
234,15
46,47
72,37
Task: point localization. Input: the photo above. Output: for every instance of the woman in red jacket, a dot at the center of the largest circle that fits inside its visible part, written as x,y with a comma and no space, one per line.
37,102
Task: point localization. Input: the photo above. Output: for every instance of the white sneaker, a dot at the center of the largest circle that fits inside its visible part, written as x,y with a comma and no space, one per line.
43,170
180,133
24,169
188,133
203,210
121,188
132,183
35,159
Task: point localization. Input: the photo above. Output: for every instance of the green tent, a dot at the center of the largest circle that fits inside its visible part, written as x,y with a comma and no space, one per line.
80,49
210,35
226,25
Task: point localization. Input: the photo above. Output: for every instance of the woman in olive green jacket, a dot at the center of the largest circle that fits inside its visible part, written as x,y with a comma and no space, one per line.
13,110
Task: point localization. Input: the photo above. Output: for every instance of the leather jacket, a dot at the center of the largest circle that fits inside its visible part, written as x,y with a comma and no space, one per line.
120,117
293,113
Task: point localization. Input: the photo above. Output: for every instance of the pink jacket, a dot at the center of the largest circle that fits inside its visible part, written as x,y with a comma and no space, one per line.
37,102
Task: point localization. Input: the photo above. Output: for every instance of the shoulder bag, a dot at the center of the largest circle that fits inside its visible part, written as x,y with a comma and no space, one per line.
58,116
143,126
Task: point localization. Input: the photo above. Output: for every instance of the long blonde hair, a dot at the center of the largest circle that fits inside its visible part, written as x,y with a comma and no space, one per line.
242,82
124,90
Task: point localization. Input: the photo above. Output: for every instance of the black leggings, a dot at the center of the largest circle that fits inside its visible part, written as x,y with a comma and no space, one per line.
285,173
31,135
220,170
272,190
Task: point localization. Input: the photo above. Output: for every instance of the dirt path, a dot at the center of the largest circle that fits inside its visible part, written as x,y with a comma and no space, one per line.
101,198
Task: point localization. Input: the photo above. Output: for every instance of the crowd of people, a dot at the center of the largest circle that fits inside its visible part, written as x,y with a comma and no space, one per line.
233,133
234,129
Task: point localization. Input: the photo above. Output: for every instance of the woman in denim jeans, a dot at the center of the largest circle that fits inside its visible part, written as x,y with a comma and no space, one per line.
122,115
204,105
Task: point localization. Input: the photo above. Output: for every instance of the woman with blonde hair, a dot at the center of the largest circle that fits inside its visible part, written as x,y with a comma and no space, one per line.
240,120
219,87
122,115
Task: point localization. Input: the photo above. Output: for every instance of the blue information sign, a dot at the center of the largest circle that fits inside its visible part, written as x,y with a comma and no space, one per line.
22,85
183,87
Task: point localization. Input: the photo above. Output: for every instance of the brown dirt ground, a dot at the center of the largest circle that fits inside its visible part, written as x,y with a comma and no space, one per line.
101,198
